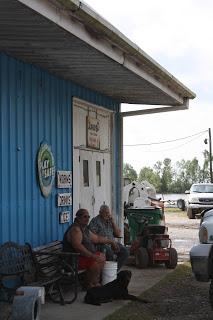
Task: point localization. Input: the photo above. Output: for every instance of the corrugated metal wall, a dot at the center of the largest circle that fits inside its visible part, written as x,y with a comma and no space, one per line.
34,107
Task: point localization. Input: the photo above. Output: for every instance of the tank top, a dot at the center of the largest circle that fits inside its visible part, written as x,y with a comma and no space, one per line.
86,241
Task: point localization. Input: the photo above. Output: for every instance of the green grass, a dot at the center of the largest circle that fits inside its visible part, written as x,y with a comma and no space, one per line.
174,210
137,311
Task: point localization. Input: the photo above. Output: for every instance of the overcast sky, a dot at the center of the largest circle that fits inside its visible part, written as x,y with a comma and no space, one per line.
178,35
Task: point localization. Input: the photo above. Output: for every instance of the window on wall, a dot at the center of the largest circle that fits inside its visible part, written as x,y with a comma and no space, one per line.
86,173
98,173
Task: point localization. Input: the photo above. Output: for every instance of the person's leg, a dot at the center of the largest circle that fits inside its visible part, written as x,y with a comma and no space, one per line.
93,269
93,275
106,249
122,255
108,253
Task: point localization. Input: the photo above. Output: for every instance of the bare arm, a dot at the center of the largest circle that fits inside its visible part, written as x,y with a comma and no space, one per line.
116,230
103,240
100,239
75,238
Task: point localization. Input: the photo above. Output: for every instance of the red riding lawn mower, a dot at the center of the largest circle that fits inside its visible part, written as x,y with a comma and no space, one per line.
153,246
145,229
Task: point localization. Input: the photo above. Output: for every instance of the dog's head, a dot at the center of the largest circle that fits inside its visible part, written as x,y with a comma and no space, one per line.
124,277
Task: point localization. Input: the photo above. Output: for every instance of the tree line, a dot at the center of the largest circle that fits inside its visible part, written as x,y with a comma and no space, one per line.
168,178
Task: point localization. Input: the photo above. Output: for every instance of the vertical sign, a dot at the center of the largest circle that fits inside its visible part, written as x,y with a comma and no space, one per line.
93,133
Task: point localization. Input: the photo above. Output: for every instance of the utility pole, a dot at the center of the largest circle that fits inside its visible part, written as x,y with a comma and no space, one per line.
210,154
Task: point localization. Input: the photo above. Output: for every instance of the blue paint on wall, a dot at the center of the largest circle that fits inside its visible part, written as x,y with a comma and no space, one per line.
35,106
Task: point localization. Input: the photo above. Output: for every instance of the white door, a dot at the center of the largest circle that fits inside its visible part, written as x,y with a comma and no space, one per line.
86,175
100,194
92,181
93,188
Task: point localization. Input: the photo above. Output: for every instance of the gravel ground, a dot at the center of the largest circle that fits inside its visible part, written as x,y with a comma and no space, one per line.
182,298
183,232
178,296
186,298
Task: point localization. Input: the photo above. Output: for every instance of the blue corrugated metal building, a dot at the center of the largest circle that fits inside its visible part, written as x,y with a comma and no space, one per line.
35,107
47,60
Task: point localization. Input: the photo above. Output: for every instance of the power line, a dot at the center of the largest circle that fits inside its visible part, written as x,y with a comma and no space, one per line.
172,148
167,141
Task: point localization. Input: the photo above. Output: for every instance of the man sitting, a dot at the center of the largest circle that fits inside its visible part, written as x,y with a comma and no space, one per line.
78,238
104,225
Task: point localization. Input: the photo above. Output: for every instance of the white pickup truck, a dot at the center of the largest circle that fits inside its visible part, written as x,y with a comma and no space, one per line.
201,255
199,198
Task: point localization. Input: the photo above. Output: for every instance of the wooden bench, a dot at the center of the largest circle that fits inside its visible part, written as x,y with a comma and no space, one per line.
46,266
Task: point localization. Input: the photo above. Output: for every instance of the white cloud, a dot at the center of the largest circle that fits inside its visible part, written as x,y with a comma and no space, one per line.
164,127
177,34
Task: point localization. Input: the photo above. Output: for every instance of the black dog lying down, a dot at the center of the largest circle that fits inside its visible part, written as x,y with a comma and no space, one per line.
114,290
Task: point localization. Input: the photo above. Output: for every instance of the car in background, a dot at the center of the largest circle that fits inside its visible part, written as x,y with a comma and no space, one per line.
199,198
201,255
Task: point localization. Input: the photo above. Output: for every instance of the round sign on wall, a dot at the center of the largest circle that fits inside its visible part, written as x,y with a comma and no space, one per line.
46,169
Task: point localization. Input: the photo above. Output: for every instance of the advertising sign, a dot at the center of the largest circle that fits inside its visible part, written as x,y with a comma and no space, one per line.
93,133
64,199
46,169
64,179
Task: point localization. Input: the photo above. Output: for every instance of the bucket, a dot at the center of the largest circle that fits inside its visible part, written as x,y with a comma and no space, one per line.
109,272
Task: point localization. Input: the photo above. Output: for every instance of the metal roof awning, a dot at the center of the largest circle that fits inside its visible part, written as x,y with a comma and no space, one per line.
70,40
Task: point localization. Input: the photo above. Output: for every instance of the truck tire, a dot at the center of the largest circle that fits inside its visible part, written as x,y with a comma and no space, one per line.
190,213
201,277
141,258
181,204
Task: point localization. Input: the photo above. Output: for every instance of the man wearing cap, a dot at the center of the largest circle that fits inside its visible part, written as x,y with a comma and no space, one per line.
104,225
78,238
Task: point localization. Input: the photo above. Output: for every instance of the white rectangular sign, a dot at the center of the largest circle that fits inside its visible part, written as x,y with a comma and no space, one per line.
64,217
64,179
93,133
64,199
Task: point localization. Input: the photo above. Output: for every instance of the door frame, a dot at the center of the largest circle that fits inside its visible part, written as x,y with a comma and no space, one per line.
89,107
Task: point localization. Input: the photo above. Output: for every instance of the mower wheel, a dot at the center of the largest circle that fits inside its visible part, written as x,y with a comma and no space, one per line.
141,258
172,263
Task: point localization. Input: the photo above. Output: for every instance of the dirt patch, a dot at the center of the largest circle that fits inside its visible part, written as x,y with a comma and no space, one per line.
180,218
178,297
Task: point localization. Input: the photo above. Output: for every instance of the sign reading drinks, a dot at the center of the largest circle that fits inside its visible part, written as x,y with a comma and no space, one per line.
93,133
64,199
46,169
